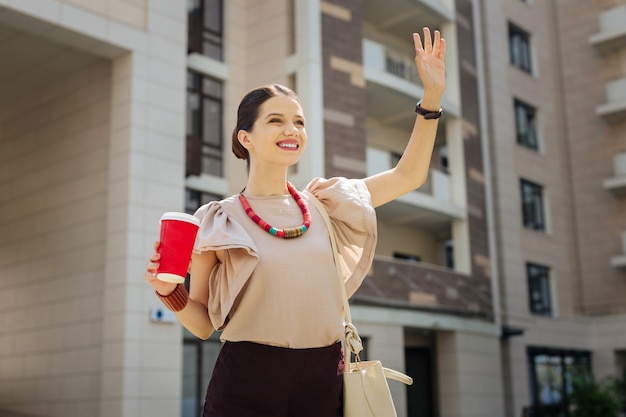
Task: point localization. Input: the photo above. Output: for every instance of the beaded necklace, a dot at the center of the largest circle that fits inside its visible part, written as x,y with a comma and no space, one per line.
282,233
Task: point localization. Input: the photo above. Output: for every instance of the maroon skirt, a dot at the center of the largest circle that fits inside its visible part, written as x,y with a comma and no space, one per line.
254,380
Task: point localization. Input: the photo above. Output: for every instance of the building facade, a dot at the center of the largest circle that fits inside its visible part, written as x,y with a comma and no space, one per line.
491,284
553,112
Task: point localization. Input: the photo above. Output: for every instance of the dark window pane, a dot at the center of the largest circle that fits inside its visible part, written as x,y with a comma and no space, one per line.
204,22
539,289
212,120
210,350
525,125
519,45
204,125
551,372
212,87
199,358
213,15
190,401
193,104
212,46
532,205
211,165
194,199
194,124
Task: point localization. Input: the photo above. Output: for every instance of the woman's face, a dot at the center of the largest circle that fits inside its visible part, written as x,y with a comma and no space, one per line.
278,135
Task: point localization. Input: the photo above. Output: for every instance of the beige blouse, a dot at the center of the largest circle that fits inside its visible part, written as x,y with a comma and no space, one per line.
285,292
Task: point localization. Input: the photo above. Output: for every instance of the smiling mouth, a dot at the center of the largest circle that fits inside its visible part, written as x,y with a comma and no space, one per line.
290,146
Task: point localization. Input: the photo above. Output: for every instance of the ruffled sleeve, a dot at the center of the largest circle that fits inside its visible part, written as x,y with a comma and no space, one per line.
349,206
219,231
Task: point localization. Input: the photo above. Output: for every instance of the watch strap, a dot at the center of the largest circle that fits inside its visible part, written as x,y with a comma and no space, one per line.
427,114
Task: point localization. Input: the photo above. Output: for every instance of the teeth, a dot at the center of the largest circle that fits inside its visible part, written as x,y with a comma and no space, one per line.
289,145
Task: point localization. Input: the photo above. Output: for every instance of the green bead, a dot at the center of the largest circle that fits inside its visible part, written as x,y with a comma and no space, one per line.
273,231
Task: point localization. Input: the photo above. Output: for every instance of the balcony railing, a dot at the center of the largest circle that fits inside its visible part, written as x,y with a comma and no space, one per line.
612,34
437,184
401,65
619,261
615,108
389,66
393,86
421,286
617,184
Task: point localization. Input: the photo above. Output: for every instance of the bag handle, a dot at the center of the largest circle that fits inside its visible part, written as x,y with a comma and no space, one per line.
352,340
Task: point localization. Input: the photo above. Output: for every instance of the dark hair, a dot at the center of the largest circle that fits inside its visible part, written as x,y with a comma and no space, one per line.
248,112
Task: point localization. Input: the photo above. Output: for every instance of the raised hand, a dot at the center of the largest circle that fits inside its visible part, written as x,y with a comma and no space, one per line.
429,59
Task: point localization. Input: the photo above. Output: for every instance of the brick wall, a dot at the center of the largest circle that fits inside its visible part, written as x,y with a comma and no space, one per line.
344,93
475,178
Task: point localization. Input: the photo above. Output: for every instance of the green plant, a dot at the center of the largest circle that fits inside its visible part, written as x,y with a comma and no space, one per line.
591,398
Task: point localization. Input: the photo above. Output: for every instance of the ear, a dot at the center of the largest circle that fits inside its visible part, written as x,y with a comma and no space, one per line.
244,138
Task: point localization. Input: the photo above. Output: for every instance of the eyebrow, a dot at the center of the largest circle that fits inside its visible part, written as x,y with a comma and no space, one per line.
282,115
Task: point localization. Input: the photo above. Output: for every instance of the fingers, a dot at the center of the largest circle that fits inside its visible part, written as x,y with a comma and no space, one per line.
151,270
152,267
436,46
428,42
442,49
417,41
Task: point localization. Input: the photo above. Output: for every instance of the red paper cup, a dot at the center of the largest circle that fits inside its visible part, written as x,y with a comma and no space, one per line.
178,235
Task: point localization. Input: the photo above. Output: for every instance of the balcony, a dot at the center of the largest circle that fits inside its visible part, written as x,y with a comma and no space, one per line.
421,286
619,261
429,208
612,34
399,17
617,184
614,110
393,86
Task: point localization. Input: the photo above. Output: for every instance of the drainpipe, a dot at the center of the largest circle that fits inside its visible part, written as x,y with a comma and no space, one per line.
477,10
484,136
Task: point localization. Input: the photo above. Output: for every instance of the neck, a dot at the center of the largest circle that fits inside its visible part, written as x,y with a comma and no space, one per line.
266,183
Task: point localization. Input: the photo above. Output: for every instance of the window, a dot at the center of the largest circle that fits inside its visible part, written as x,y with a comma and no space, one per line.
443,157
539,289
519,45
532,205
407,257
449,254
551,373
205,24
199,358
525,125
204,125
195,199
620,359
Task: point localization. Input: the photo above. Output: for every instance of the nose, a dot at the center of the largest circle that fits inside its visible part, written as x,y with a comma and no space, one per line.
291,130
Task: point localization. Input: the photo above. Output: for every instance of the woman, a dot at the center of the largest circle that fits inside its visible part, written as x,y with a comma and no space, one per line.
262,271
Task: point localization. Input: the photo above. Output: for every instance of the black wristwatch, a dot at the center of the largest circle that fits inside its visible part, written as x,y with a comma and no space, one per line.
427,114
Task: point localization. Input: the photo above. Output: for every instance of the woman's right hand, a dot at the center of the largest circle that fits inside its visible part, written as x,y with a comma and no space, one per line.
152,267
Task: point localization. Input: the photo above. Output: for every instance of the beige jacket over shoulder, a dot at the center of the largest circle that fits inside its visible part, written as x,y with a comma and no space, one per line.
285,292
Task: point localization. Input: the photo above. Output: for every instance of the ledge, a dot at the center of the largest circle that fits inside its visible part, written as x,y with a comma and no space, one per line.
608,41
619,262
616,185
613,111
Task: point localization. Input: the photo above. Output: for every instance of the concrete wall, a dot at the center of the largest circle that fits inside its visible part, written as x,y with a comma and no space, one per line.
469,372
91,159
53,205
600,216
